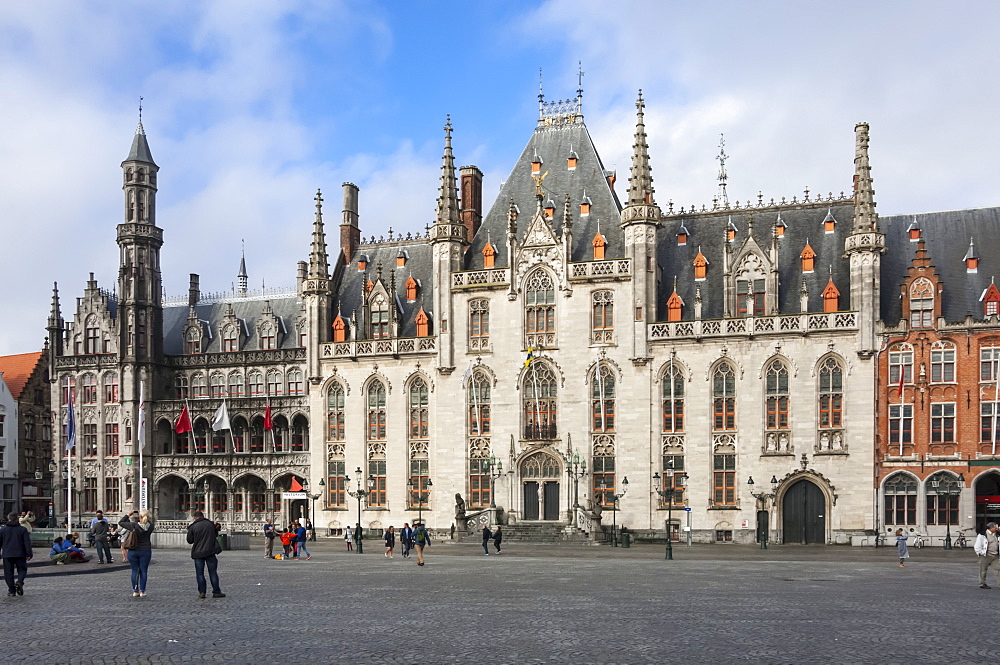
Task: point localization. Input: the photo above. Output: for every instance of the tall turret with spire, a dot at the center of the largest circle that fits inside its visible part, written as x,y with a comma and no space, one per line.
242,279
447,238
55,329
640,218
864,247
316,293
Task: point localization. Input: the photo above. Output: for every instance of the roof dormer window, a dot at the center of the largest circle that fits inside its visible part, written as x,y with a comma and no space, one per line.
536,165
489,255
585,205
971,258
829,223
682,236
730,231
411,289
808,257
599,242
913,230
572,160
401,258
700,267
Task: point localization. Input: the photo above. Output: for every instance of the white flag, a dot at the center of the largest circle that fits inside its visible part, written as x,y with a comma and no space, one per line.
142,415
220,420
467,375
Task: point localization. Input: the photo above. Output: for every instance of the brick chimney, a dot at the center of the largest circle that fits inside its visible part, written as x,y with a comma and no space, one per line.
350,233
472,200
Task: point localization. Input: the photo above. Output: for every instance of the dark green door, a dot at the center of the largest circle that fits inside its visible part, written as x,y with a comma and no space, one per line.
551,491
531,500
803,514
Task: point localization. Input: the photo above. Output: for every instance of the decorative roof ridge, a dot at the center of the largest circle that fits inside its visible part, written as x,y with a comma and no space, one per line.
774,206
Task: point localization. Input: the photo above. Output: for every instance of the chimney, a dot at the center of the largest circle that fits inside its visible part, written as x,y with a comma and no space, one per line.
350,233
300,277
194,291
612,177
472,200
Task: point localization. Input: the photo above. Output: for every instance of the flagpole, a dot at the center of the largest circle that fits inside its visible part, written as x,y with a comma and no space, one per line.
902,408
996,401
140,434
600,390
70,444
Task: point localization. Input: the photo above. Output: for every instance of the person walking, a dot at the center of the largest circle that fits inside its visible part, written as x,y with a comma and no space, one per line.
358,535
406,539
487,535
139,556
901,546
101,531
15,548
269,540
204,551
988,550
390,541
421,539
349,538
301,536
497,538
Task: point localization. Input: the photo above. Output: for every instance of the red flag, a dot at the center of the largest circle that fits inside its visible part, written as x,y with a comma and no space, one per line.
267,417
183,422
295,486
902,375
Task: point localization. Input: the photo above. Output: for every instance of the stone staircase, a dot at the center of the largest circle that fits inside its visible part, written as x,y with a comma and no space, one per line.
545,532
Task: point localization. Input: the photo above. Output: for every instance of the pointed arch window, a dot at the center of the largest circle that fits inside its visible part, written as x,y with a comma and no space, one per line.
376,411
335,413
831,297
600,243
941,508
218,385
257,435
419,413
235,384
602,400
479,403
181,390
379,317
921,303
268,337
831,394
200,436
808,257
673,400
300,434
255,383
675,307
88,394
489,255
239,433
230,338
111,388
603,316
700,264
776,395
275,386
900,500
295,383
479,324
724,398
192,343
539,402
540,310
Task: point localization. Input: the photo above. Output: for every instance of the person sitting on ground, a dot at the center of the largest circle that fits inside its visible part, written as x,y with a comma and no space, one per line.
63,551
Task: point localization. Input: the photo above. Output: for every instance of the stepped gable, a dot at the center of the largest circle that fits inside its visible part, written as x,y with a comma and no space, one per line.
706,232
419,264
946,235
248,309
554,142
17,370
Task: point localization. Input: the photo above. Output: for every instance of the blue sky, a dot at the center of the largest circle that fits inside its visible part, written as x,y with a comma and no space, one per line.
252,106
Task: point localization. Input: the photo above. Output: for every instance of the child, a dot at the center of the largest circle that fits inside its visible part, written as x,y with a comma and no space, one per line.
286,543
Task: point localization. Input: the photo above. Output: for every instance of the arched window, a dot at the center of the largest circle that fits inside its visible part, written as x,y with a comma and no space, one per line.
67,389
831,393
255,381
88,394
199,387
901,360
900,500
673,399
479,403
379,317
193,341
200,436
776,395
111,388
300,434
921,303
419,459
335,413
942,362
479,324
294,382
376,411
218,385
539,402
418,410
268,337
540,310
181,387
724,398
603,316
275,386
279,434
235,384
602,400
230,338
257,435
239,432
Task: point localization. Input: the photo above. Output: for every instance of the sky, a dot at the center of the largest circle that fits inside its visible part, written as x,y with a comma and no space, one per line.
249,107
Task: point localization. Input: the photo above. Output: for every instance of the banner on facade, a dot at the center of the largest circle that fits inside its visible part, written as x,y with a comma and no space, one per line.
294,495
143,494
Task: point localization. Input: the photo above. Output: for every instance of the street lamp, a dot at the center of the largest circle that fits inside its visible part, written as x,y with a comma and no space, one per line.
494,467
420,494
576,468
312,517
670,494
614,514
763,529
53,467
946,489
360,493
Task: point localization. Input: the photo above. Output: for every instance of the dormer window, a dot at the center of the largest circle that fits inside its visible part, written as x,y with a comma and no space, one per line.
379,318
401,259
536,165
411,289
991,300
829,223
913,231
682,236
230,338
599,243
423,323
550,209
675,307
585,206
730,231
831,297
808,257
489,255
192,344
779,227
922,303
700,267
369,285
971,258
339,329
362,263
750,295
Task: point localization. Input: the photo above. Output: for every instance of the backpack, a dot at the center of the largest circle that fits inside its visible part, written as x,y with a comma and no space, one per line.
421,535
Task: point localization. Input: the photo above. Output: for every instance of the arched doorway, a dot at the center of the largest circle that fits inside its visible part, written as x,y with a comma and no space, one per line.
540,474
803,514
987,499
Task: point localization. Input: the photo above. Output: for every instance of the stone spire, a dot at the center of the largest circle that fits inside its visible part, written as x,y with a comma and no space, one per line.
640,182
243,278
447,204
140,148
319,264
865,217
55,316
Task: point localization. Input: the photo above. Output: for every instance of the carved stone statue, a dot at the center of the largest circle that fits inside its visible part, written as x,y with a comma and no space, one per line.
459,506
594,509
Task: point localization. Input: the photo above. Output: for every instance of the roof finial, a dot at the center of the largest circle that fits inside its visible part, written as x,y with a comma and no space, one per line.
579,82
640,182
723,196
447,208
541,95
865,217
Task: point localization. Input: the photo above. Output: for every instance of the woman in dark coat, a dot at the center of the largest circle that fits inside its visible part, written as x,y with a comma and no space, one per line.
497,538
139,556
390,541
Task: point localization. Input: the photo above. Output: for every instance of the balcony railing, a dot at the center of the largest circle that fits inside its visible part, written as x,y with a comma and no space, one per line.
758,325
378,347
540,432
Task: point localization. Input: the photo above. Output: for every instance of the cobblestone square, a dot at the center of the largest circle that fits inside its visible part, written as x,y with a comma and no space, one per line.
533,604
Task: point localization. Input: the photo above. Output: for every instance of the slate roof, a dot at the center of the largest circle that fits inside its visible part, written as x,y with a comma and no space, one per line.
553,143
249,310
347,291
17,370
946,235
707,233
140,148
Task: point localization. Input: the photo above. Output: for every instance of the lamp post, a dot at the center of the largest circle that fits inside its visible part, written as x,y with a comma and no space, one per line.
312,517
360,493
763,530
670,495
420,494
614,508
576,468
53,467
494,467
946,489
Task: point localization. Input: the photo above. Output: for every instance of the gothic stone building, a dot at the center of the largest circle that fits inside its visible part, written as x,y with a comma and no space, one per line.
533,358
30,426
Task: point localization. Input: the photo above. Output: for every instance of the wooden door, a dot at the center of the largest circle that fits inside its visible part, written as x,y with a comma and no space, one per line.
803,514
531,500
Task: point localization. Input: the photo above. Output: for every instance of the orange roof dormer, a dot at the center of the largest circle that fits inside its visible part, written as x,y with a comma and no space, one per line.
489,255
339,329
700,266
423,323
831,297
808,257
829,223
599,242
991,300
675,306
411,289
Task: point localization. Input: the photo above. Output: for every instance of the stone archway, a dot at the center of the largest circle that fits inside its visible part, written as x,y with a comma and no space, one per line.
540,474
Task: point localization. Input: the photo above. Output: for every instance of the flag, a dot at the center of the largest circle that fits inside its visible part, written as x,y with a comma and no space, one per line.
220,420
531,356
183,421
70,425
268,424
295,486
142,415
467,375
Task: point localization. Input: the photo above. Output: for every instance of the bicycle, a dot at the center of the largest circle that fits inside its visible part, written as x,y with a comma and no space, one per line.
918,541
960,541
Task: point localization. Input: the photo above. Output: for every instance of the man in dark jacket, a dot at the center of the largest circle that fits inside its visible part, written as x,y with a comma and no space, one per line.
15,548
204,548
